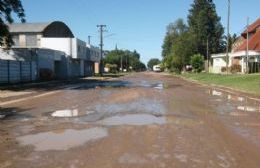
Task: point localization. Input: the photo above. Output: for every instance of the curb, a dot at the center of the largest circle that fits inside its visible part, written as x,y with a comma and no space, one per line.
222,88
39,95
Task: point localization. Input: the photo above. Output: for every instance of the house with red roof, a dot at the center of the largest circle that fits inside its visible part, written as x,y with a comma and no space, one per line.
238,56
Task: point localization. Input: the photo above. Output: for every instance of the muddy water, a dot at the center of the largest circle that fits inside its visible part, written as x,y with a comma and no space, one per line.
62,139
232,102
133,119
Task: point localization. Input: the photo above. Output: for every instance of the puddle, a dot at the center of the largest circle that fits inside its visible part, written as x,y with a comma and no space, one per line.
146,84
248,108
236,98
2,116
65,113
159,86
62,140
235,102
70,113
133,119
216,93
142,105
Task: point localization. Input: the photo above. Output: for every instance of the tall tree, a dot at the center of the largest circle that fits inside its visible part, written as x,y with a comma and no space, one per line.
205,24
7,7
173,31
178,46
231,39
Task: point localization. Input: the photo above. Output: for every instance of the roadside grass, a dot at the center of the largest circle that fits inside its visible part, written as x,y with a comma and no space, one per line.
249,83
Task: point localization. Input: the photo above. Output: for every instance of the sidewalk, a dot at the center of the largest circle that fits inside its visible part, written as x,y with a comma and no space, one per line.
20,92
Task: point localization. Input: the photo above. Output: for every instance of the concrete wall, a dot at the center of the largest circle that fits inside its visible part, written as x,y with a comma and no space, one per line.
78,49
88,68
17,71
93,53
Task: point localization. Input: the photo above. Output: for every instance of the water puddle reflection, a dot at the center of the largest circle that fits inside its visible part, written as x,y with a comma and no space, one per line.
62,140
65,113
133,119
2,116
146,84
248,108
142,105
234,102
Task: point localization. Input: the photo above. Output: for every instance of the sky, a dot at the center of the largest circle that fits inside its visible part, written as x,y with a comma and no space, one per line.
131,24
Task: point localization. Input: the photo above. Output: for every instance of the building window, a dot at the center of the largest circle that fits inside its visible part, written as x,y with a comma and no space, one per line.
31,40
15,40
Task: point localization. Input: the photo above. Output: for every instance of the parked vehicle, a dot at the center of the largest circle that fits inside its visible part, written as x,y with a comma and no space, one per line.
157,68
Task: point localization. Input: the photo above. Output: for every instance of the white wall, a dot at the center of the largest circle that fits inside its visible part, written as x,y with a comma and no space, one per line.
71,46
218,63
60,44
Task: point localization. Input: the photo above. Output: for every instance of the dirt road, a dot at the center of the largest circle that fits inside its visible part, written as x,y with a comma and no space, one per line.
140,120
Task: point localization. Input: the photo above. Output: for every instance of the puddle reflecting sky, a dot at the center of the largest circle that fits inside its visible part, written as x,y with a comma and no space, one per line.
234,102
63,139
142,105
133,119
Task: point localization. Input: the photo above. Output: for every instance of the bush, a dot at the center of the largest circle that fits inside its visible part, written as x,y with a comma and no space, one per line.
197,62
223,69
235,68
112,68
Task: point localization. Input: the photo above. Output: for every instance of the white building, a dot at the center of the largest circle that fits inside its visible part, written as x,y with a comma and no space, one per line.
54,47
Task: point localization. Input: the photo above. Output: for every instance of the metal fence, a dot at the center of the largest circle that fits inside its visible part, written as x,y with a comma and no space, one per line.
17,71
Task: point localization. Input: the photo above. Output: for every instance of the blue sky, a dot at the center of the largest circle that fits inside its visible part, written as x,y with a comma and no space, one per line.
135,24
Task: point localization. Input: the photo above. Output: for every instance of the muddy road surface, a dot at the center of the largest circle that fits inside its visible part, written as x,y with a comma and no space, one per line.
141,120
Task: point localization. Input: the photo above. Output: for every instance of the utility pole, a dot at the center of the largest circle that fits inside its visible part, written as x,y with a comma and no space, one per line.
208,53
89,39
227,57
247,47
101,30
121,63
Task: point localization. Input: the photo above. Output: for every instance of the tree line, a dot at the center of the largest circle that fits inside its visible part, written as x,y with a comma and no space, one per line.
202,35
120,60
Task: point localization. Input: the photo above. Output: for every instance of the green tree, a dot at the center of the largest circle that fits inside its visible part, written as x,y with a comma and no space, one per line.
7,7
197,62
205,24
129,59
152,62
182,50
180,47
231,39
173,31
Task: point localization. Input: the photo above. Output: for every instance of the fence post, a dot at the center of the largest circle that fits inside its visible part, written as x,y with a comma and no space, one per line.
8,71
31,70
21,75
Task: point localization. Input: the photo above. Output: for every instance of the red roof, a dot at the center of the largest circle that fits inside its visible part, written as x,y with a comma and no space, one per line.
254,40
253,43
252,28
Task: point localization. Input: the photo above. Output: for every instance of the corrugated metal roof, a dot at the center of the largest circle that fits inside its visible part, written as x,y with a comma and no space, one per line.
28,27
